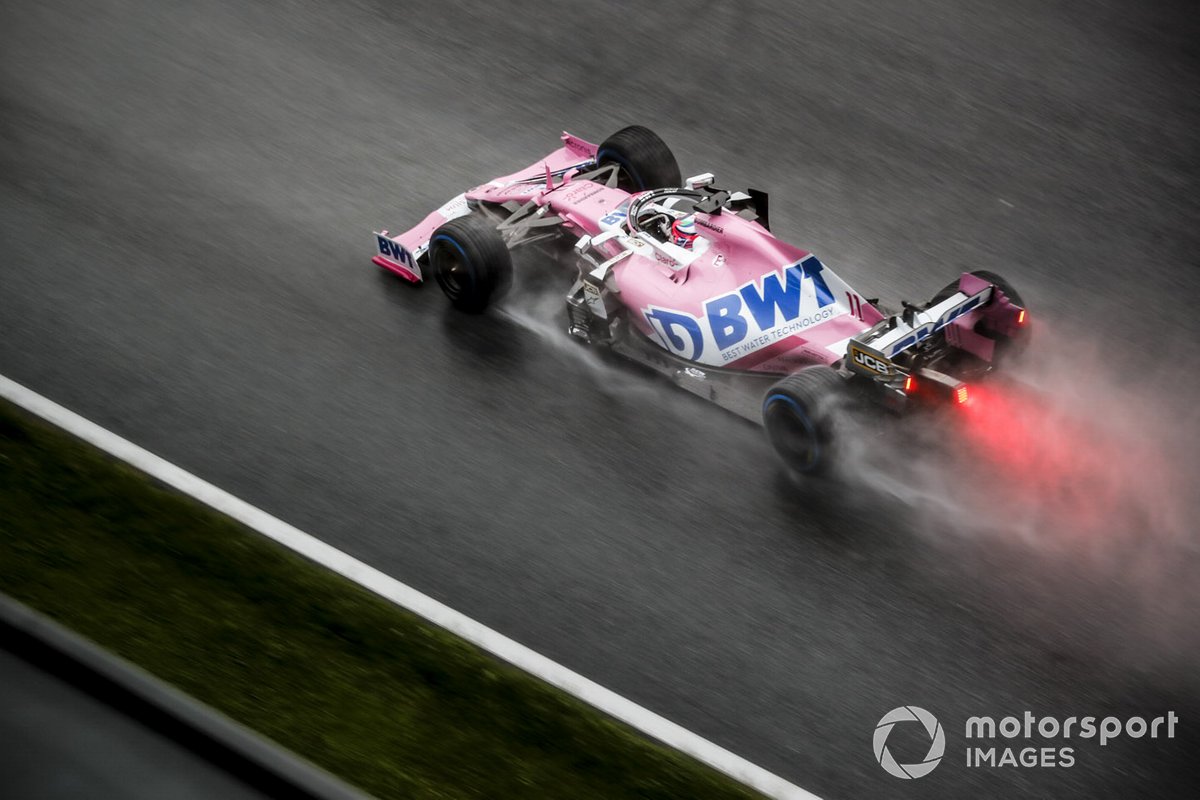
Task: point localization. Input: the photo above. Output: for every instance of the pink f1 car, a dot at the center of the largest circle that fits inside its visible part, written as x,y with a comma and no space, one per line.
688,278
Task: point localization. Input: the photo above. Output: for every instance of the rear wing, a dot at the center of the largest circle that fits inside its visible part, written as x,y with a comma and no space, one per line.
873,353
923,324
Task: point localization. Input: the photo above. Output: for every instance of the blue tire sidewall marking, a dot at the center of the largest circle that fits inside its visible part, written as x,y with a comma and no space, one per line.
804,419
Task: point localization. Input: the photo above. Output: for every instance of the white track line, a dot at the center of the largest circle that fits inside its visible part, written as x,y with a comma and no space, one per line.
440,614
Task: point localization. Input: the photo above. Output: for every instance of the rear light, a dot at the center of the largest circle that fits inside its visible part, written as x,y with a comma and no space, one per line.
1021,317
928,387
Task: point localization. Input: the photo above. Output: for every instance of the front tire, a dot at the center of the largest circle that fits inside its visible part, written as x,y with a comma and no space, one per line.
798,414
471,262
642,159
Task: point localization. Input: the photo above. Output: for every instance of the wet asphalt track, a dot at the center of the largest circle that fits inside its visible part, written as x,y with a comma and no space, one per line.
187,196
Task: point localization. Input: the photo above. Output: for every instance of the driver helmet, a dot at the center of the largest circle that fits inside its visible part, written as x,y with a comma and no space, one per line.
683,231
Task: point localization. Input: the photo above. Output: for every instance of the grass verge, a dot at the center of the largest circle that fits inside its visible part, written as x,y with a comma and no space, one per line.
347,680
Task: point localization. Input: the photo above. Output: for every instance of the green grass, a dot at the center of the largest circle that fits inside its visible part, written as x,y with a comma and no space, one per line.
347,680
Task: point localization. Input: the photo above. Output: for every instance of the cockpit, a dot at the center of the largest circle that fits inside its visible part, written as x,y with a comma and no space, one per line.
659,212
669,215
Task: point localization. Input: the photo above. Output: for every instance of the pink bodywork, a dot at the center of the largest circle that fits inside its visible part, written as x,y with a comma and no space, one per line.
741,260
742,255
411,245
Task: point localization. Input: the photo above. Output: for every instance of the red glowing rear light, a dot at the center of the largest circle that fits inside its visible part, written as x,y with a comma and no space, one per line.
961,396
1021,317
910,384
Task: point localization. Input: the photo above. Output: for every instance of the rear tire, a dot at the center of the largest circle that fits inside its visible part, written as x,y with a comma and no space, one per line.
798,414
642,159
470,262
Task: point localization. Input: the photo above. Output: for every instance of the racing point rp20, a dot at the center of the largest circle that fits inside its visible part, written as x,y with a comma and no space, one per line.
687,278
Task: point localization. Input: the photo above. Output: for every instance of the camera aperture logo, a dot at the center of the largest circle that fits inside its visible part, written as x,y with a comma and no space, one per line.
937,742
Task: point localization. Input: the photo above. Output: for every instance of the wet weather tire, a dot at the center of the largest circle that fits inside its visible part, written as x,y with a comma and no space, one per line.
798,414
470,262
644,161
